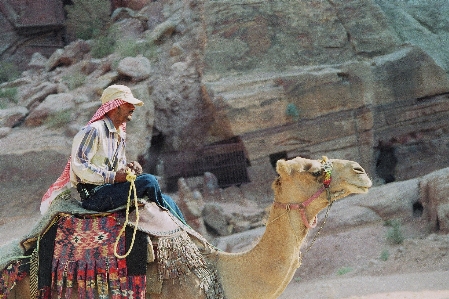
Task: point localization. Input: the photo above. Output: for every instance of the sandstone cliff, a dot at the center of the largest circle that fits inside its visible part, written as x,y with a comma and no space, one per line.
361,80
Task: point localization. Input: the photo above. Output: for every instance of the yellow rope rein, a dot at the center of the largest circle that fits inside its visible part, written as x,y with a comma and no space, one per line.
130,177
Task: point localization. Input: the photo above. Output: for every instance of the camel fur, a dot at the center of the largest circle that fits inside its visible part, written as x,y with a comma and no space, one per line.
265,270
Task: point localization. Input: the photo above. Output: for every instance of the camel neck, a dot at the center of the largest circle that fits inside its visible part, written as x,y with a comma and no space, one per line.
286,224
278,250
275,259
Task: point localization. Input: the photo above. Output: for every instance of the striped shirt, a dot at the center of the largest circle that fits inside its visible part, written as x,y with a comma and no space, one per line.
98,151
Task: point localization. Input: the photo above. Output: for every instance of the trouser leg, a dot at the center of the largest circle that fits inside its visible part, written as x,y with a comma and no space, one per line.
147,184
107,197
170,204
111,196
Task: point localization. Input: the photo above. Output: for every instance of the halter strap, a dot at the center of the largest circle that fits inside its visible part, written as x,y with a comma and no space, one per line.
301,207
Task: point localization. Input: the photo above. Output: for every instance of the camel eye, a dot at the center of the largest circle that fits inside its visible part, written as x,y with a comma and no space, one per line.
317,173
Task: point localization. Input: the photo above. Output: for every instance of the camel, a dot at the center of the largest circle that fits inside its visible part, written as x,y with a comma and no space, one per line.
303,188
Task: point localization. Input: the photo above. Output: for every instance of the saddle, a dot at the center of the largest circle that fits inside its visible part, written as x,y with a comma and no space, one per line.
162,248
154,220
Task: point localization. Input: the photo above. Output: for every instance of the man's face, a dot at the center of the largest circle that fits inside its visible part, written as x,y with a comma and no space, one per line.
125,111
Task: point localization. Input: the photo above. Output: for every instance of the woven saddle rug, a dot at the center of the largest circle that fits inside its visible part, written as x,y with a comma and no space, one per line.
11,274
84,254
83,245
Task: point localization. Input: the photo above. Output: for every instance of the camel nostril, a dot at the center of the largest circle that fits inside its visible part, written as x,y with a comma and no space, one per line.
359,170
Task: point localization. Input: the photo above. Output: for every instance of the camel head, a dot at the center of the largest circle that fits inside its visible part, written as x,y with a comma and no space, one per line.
300,179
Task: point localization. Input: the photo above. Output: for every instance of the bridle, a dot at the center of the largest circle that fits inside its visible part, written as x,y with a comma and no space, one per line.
301,207
327,169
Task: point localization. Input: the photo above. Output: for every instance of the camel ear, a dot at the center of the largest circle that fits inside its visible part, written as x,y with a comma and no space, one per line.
283,168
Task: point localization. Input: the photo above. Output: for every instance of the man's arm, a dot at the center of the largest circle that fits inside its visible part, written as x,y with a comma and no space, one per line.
85,146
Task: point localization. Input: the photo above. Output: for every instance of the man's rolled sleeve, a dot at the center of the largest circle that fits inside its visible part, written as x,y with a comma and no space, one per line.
109,177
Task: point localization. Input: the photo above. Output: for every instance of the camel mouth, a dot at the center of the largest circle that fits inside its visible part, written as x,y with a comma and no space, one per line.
364,189
361,189
363,185
354,190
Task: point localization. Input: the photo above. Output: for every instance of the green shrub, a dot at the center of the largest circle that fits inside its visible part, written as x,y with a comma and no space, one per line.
103,46
344,270
292,111
59,119
74,80
9,93
129,48
384,255
8,71
394,232
87,19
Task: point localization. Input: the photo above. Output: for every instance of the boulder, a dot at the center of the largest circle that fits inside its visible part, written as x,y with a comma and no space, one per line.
210,186
191,204
71,54
434,188
38,61
139,130
132,4
137,4
232,216
409,73
12,116
391,201
31,96
137,68
161,31
239,242
4,131
128,29
215,218
38,140
53,106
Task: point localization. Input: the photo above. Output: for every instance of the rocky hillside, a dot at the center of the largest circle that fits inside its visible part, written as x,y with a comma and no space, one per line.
361,80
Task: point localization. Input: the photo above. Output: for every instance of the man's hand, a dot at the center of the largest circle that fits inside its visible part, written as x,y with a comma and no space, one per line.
120,176
135,167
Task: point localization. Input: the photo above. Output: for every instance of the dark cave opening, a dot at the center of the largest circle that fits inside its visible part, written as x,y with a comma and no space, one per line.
154,153
418,209
386,163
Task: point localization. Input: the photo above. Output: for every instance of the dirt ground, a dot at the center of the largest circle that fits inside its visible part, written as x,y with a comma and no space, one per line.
362,263
421,285
354,263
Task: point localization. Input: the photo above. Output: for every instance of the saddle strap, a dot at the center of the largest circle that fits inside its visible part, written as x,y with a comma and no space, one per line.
34,273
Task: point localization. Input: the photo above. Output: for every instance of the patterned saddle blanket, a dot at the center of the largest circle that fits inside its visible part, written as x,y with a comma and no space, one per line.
86,248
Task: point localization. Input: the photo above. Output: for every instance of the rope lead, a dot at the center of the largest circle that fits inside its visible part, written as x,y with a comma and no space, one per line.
130,177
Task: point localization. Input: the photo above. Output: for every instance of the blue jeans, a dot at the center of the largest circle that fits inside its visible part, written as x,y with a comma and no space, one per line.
110,196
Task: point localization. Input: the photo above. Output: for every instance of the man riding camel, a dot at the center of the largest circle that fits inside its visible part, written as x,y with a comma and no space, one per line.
98,167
